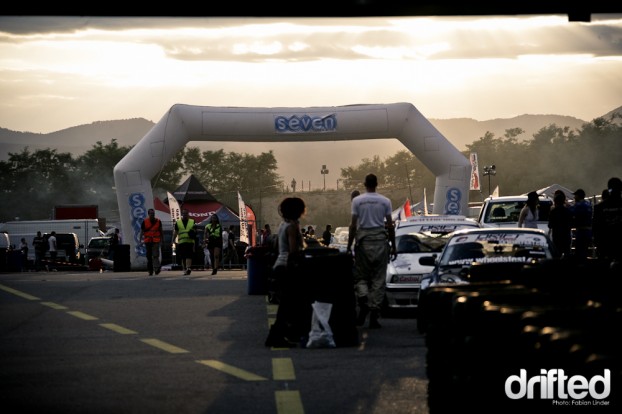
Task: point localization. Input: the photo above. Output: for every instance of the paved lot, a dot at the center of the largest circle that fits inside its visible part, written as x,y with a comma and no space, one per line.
121,342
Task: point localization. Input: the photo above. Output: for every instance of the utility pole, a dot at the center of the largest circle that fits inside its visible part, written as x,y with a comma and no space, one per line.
324,171
490,170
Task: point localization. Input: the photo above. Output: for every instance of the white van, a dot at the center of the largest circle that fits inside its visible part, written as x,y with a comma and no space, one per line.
504,211
85,229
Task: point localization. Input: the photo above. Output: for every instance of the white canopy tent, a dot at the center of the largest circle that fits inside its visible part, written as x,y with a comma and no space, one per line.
184,123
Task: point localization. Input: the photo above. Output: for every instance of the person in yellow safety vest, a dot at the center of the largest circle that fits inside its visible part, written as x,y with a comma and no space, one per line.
151,234
185,233
213,237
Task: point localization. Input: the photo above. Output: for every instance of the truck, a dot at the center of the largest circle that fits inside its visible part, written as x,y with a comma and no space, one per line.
76,211
83,228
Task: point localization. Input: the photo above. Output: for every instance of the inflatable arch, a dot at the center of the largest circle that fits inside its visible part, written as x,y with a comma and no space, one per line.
184,123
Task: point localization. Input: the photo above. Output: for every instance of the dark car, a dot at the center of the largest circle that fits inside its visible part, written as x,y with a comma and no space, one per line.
482,255
68,247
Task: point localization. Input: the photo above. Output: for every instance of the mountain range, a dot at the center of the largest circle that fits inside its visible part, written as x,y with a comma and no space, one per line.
302,161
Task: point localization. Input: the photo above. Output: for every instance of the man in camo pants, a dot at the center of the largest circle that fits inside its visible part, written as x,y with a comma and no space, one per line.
372,227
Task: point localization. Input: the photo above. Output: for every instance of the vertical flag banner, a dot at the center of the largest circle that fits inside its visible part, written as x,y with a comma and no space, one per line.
243,220
496,192
173,205
474,173
252,224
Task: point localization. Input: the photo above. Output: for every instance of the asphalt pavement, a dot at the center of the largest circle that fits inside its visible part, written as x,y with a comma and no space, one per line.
126,342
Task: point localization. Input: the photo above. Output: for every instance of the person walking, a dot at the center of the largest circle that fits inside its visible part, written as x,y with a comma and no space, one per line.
582,223
38,243
528,216
213,235
152,234
560,225
372,228
607,224
286,330
185,233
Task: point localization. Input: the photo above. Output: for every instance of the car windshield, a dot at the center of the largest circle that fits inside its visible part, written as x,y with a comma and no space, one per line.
420,242
495,248
98,243
508,211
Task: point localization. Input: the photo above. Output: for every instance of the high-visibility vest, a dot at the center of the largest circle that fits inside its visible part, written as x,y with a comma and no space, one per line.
183,233
151,234
214,230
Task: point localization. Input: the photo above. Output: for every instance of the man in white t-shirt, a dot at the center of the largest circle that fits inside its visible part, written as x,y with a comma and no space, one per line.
372,227
52,247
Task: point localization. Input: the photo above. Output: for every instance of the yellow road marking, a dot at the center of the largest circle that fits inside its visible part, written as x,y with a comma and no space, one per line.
283,369
118,329
288,402
18,293
229,369
54,305
164,346
82,315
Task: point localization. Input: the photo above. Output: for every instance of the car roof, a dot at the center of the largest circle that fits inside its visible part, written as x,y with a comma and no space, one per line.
515,198
499,230
436,219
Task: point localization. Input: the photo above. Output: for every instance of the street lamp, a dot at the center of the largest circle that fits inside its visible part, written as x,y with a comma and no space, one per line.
490,170
324,172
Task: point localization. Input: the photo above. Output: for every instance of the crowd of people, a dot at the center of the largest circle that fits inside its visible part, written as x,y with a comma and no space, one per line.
581,230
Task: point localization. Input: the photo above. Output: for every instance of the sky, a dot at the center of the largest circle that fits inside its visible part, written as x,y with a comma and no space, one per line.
59,72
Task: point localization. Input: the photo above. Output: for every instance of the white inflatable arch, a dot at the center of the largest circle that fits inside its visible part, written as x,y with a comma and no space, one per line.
184,123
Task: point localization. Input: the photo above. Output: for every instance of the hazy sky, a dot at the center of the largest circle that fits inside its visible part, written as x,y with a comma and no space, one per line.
61,72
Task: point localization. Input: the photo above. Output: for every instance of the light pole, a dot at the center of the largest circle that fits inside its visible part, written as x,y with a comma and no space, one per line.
324,171
490,170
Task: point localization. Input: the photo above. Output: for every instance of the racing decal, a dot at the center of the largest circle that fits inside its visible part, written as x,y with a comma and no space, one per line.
492,259
502,238
305,123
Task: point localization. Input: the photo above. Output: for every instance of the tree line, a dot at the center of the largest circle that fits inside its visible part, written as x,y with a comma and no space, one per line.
32,183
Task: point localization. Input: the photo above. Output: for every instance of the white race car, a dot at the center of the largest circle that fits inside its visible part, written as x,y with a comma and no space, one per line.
416,237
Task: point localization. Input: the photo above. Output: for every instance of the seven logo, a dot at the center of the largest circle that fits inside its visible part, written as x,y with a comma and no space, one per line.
305,123
138,212
575,387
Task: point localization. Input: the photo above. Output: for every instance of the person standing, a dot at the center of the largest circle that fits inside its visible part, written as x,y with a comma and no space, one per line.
23,249
185,233
213,235
372,228
52,247
528,216
38,243
152,234
232,254
327,235
582,222
607,224
286,329
560,225
115,241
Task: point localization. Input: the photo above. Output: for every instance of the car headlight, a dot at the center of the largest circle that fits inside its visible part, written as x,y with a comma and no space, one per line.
391,273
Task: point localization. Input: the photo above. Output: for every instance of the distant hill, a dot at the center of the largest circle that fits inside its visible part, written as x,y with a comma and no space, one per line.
302,161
